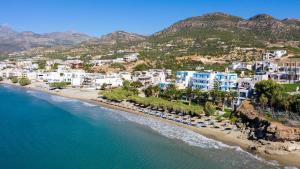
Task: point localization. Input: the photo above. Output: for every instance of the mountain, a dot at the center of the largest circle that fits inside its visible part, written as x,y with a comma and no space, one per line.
119,37
13,41
264,27
212,35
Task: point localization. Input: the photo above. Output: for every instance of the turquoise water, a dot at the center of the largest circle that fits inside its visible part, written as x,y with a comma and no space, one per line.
40,131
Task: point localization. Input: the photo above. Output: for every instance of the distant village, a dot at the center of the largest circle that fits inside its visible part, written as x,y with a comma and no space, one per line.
71,72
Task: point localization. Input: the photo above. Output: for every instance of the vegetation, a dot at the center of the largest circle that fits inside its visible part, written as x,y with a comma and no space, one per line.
117,94
104,86
1,78
209,109
270,94
136,84
186,101
87,67
118,66
168,105
55,66
152,91
14,80
291,87
24,81
42,64
59,85
141,67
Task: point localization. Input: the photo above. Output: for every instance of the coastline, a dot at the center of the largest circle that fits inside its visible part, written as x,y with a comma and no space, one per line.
229,138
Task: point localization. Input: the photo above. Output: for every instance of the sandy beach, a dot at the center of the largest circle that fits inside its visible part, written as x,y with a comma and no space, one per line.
233,138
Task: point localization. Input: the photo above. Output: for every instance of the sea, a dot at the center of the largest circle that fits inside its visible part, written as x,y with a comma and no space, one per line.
43,131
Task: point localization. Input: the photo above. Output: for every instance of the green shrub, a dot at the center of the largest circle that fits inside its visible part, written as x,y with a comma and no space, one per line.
118,66
141,67
24,81
59,85
234,119
209,109
14,80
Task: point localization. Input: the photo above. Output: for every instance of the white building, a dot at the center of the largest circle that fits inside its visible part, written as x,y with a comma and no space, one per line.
131,57
111,80
151,77
277,54
183,79
241,66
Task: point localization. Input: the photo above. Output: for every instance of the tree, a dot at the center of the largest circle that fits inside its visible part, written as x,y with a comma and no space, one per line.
14,80
118,66
87,67
171,92
263,101
268,88
295,103
136,84
152,91
232,95
55,66
41,64
216,96
1,78
189,94
156,90
141,67
202,96
24,81
209,109
148,91
126,85
223,97
103,86
59,85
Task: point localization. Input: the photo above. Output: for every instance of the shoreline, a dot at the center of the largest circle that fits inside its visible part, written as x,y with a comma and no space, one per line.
229,138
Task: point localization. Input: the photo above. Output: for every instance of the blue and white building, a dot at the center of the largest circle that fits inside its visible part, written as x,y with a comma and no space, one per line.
227,81
208,80
203,80
184,79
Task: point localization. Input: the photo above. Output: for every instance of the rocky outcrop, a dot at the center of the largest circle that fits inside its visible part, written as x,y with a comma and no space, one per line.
279,132
260,128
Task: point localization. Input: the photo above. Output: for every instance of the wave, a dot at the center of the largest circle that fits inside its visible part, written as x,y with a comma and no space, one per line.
61,99
88,104
166,129
190,137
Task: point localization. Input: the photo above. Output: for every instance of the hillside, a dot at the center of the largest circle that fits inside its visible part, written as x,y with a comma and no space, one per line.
13,41
120,37
214,36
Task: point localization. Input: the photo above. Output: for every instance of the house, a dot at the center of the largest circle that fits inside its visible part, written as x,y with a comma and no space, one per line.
227,81
286,72
151,77
277,54
241,66
183,78
246,86
203,80
131,57
210,80
112,80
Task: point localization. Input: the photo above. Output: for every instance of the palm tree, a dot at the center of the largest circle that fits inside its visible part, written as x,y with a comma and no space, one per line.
156,90
189,94
233,95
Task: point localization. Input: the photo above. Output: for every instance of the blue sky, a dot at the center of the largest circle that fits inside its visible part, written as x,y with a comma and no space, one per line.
98,17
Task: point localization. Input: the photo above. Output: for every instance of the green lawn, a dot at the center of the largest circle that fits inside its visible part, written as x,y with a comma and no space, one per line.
290,87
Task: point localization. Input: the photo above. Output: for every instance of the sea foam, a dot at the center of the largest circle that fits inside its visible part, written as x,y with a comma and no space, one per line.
190,137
